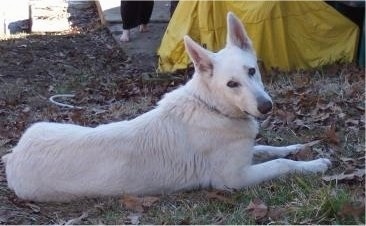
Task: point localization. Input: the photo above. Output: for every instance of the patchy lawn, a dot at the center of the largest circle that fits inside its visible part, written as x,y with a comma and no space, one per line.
326,104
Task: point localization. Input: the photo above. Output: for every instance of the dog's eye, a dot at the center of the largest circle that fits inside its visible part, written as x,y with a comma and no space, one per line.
233,84
251,71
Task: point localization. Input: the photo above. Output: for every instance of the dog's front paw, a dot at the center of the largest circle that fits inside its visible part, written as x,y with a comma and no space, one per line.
317,166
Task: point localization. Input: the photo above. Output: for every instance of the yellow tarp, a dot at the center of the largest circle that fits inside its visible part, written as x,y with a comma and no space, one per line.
286,34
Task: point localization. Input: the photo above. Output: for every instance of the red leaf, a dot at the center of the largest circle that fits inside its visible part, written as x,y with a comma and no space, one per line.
331,135
352,210
219,195
137,204
257,209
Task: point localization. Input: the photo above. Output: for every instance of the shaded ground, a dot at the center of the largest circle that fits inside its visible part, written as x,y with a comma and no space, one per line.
326,104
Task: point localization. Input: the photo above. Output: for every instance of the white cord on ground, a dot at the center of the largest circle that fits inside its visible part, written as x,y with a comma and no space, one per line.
61,104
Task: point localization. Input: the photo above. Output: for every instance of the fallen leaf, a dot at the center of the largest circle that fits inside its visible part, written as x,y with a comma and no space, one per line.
306,153
277,213
148,201
137,204
257,209
303,155
352,210
132,203
301,80
219,195
356,174
285,116
331,136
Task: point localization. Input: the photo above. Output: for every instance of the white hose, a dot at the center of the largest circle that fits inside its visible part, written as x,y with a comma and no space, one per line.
61,104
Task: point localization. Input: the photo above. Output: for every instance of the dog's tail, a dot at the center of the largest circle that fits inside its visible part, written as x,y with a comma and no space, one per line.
5,158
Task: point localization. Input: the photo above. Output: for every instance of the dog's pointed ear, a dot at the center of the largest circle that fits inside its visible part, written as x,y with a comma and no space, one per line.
199,56
236,34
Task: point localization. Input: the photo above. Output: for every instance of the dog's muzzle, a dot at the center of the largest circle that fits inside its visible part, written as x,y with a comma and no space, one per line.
264,105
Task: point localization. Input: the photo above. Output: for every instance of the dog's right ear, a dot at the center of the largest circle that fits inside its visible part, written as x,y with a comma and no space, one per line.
236,34
199,56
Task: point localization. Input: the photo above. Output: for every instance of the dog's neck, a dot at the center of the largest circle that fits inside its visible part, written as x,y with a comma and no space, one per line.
217,111
212,108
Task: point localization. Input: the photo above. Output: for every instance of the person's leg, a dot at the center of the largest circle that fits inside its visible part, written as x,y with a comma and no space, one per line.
129,18
146,8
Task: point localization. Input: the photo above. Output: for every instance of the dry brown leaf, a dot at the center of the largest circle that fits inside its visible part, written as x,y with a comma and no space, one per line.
137,204
285,116
257,209
148,201
301,80
352,210
306,100
306,152
356,174
219,195
331,135
132,203
303,155
277,213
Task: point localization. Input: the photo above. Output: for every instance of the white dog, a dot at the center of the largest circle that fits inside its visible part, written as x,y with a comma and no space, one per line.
200,135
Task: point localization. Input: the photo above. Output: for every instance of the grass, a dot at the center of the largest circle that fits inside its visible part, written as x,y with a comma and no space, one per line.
302,200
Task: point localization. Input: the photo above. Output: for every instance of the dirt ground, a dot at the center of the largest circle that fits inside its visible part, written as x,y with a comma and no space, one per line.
325,104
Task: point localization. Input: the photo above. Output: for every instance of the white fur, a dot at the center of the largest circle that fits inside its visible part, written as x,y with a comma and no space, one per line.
202,134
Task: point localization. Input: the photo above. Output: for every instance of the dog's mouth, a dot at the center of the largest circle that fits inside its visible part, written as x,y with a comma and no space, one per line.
249,114
259,115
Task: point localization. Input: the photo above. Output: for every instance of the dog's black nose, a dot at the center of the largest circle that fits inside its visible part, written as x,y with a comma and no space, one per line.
264,106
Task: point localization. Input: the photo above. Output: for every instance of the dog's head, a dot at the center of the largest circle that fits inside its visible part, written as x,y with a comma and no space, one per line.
231,76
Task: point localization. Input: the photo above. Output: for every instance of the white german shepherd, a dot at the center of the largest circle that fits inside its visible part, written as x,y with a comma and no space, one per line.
200,135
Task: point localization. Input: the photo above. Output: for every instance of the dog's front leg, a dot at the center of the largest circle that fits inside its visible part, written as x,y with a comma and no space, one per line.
268,152
275,168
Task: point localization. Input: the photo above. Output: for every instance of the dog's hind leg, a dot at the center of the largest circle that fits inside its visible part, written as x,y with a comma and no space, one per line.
270,152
